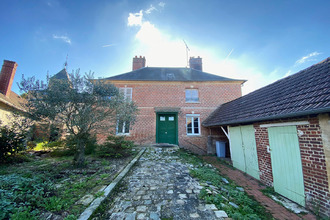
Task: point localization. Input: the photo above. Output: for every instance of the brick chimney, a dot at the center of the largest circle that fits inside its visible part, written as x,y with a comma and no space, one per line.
196,63
7,76
139,62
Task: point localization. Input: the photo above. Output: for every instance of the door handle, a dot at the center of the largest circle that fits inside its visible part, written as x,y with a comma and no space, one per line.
165,132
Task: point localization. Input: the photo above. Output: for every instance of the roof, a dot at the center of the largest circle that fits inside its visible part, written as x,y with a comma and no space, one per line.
63,74
14,101
168,74
304,93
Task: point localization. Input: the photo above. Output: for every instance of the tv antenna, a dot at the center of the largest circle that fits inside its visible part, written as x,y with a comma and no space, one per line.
187,49
66,62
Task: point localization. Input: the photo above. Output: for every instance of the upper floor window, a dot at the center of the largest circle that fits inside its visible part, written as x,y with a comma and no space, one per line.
127,92
192,95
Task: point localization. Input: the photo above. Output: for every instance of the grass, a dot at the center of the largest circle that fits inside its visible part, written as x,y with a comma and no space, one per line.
248,207
30,190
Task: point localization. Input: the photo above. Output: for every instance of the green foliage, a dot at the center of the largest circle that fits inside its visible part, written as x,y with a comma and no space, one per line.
11,142
55,204
17,192
24,213
81,104
115,147
248,207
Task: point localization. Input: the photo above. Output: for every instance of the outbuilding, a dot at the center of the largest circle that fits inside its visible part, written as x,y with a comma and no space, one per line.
280,135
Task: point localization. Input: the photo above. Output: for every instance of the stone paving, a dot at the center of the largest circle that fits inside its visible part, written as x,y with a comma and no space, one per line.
160,187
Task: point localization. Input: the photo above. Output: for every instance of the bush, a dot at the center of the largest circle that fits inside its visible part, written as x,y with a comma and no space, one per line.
11,142
91,145
115,146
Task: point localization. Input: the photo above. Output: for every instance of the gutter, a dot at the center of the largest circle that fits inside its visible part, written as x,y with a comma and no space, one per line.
288,115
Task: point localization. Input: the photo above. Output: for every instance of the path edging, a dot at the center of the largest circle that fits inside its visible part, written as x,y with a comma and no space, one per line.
97,202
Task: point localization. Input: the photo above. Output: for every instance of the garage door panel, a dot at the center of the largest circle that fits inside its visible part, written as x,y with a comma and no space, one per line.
286,163
236,149
243,150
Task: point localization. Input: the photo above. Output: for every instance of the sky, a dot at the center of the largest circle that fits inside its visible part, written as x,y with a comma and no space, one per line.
260,41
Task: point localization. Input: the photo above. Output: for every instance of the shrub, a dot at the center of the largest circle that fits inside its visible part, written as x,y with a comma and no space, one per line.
115,146
11,142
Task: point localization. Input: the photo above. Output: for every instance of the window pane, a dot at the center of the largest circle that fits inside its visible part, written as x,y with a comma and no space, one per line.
196,126
192,95
128,94
120,127
189,125
126,127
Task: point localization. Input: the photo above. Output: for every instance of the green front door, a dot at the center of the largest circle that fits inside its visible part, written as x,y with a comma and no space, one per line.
286,163
167,128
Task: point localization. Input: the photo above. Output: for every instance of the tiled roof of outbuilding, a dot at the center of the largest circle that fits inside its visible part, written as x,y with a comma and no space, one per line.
169,74
304,93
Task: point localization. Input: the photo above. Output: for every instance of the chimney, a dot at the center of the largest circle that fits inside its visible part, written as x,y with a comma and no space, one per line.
196,63
7,76
138,62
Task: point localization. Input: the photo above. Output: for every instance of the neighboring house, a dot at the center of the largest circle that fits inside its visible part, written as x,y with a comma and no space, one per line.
280,134
172,102
10,102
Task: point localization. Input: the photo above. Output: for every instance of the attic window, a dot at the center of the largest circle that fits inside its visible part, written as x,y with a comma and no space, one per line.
170,76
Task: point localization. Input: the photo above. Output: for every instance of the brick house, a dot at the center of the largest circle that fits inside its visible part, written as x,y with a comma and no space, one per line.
280,135
172,102
10,102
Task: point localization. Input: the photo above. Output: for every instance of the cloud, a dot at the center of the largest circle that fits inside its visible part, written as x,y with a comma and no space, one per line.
161,4
108,45
150,9
307,58
163,49
64,38
135,19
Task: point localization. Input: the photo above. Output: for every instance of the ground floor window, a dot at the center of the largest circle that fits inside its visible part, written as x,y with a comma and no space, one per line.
122,127
193,124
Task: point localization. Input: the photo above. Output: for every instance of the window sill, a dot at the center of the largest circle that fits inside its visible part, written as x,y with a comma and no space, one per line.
194,135
193,102
122,134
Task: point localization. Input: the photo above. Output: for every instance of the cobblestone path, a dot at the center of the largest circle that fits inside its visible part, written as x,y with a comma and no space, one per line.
160,187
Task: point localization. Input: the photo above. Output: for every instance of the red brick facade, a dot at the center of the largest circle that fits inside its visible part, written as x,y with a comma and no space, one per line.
149,95
312,158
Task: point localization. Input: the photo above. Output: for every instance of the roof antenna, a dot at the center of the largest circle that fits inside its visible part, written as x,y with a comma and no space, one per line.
187,49
66,62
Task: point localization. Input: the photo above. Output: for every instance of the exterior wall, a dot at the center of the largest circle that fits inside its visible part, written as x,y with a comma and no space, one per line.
312,150
325,129
6,113
151,95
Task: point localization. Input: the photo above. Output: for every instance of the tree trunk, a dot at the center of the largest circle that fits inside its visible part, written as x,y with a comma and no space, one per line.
79,157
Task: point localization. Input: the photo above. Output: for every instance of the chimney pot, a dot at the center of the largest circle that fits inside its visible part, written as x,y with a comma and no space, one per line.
138,62
7,76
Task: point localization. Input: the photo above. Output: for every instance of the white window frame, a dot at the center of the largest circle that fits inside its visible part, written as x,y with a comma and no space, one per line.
193,117
122,132
127,92
189,99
